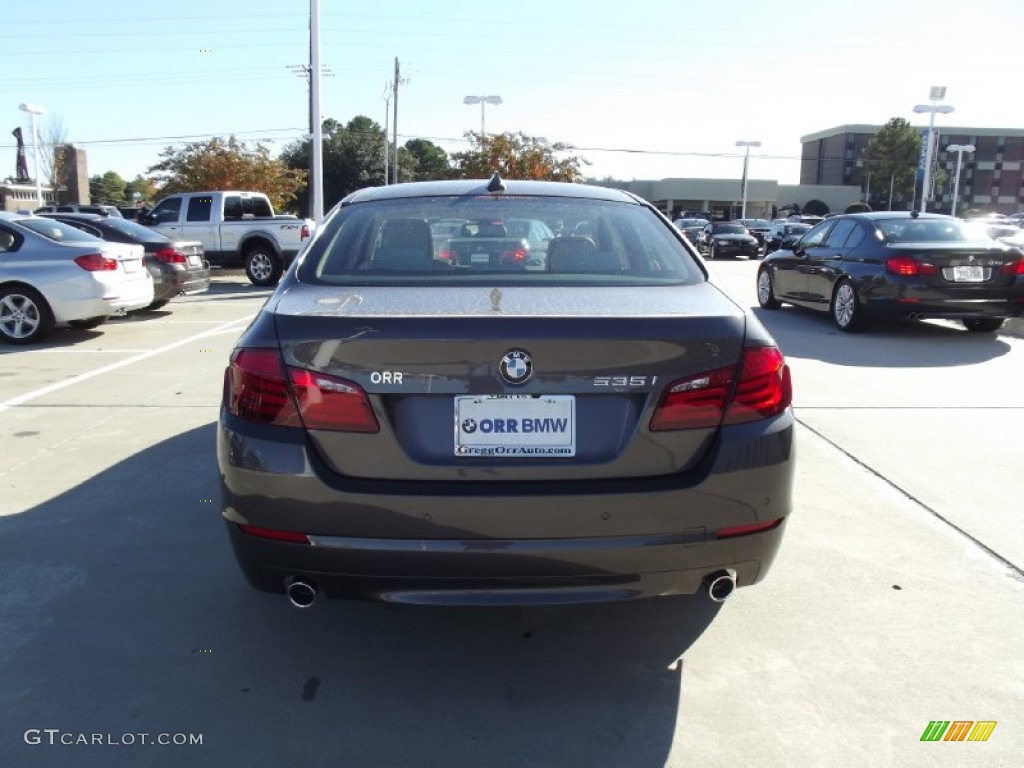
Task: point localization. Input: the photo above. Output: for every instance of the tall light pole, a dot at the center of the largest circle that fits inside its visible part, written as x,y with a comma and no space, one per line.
959,149
746,163
938,93
483,101
317,148
33,110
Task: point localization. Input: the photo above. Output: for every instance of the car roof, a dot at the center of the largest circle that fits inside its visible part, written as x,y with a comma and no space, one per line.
879,215
459,187
73,215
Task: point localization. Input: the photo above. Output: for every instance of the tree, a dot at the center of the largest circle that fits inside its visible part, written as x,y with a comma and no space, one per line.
891,158
430,161
219,164
858,208
108,189
353,158
815,208
143,187
53,154
517,156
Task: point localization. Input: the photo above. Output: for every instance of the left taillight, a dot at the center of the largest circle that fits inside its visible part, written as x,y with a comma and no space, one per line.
169,256
907,266
708,399
255,388
258,387
96,262
329,402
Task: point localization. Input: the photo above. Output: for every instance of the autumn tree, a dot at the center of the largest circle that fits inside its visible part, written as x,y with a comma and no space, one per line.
146,190
222,164
517,156
891,157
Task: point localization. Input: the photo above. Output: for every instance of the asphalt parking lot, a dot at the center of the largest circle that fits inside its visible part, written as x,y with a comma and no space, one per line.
897,598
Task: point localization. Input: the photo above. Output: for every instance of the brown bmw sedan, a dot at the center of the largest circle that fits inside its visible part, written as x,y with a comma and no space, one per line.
439,414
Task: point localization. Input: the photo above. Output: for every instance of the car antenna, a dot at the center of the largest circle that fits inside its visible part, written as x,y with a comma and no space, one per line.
496,184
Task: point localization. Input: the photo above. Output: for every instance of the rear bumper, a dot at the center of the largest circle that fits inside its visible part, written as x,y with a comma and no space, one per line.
937,307
504,572
508,543
170,283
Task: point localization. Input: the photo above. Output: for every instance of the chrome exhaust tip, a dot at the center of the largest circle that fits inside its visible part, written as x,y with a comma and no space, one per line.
301,594
721,585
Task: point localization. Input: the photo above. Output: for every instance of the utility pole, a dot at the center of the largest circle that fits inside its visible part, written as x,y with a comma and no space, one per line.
387,116
394,117
317,155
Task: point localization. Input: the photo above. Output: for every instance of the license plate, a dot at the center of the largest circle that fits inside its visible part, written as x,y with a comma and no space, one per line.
193,261
132,265
518,426
968,274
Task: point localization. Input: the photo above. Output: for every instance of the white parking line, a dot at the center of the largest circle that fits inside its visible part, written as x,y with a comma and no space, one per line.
234,325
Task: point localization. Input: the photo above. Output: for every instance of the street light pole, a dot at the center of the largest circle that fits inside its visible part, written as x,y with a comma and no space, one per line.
33,110
937,94
483,101
746,163
959,149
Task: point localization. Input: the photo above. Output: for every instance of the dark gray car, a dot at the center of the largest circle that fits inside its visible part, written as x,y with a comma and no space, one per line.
605,425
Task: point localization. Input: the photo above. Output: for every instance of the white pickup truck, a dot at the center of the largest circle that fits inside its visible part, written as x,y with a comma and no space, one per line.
233,227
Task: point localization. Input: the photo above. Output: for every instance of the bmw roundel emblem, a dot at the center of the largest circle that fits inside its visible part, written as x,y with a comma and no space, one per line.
516,366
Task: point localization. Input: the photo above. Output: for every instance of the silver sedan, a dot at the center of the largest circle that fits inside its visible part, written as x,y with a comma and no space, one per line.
53,274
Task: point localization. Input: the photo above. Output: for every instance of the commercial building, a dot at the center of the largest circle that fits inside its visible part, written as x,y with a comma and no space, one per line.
990,179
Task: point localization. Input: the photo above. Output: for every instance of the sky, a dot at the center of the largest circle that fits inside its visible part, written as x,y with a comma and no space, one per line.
642,90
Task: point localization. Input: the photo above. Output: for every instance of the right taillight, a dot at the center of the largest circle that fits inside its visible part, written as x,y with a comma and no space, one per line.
1013,268
257,388
764,388
703,400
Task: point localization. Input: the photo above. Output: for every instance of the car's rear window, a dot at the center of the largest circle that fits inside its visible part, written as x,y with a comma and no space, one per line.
924,230
480,239
58,231
133,229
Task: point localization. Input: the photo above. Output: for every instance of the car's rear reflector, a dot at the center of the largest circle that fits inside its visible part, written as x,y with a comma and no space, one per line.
907,266
745,530
329,402
273,533
96,262
764,389
255,388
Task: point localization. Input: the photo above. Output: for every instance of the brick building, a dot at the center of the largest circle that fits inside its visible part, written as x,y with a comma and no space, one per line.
990,180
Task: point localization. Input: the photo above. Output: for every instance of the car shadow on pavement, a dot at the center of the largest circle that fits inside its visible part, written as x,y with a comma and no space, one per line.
901,344
59,337
123,612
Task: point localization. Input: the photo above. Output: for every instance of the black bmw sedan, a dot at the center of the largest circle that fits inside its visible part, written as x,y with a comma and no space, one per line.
866,266
721,239
600,425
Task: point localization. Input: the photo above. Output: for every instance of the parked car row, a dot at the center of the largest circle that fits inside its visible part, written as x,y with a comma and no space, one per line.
80,269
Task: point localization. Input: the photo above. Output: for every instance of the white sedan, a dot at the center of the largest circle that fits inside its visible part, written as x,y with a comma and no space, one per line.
53,274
